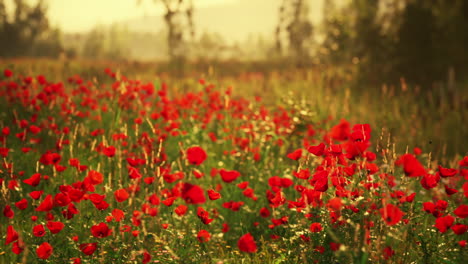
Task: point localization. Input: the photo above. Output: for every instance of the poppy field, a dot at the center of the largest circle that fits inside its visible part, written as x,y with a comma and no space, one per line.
120,170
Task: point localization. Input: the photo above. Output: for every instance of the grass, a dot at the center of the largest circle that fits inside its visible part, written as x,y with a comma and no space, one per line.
257,123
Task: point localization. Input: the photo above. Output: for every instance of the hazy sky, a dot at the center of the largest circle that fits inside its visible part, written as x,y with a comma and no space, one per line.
235,20
82,15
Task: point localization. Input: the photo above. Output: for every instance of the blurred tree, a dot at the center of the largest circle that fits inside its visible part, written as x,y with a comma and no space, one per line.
414,45
117,42
26,31
337,31
294,30
179,22
94,43
210,46
106,43
418,40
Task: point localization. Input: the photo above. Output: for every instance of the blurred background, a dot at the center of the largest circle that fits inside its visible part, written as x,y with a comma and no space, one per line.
422,41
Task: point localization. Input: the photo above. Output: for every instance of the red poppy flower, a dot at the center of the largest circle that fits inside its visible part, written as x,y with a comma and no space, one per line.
121,195
204,216
95,177
169,201
320,181
410,198
302,174
429,207
18,247
109,151
391,214
118,215
459,229
225,228
193,194
101,230
203,236
36,194
461,211
62,199
417,151
55,227
196,155
321,184
441,205
464,162
88,248
285,182
411,166
146,257
334,246
229,175
450,191
4,151
264,212
154,199
41,79
39,231
75,195
295,155
335,204
388,252
447,172
232,205
7,73
134,173
341,131
11,235
34,180
317,150
181,210
443,223
7,212
213,195
429,181
275,199
50,158
315,227
247,243
198,174
44,251
46,205
243,185
96,198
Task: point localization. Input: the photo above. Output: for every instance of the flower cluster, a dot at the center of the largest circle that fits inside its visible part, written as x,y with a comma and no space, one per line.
126,171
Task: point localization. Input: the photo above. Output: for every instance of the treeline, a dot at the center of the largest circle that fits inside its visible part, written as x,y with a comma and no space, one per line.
26,31
421,41
418,41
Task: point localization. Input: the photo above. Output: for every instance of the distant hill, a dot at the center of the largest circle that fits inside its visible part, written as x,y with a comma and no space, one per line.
234,21
245,27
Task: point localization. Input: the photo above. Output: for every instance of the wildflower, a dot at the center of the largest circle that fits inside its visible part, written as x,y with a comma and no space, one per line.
229,175
246,243
391,214
196,155
203,236
11,235
44,251
101,230
315,227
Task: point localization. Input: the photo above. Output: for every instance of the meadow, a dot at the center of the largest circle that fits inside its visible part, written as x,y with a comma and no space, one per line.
131,164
